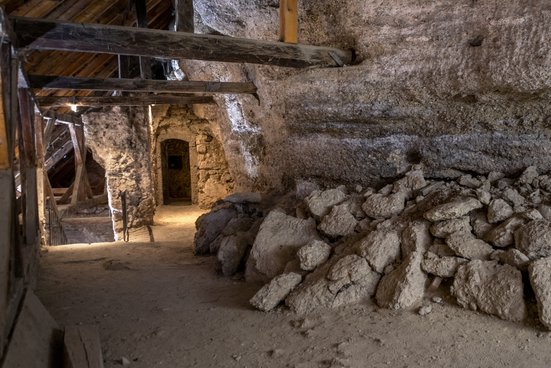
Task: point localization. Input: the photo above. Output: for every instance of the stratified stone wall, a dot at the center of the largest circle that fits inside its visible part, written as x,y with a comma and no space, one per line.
210,177
461,85
119,139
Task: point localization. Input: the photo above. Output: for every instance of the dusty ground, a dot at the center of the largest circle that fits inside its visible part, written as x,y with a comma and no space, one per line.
159,306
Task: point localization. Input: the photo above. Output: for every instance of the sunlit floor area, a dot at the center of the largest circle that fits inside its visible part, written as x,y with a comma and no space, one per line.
157,305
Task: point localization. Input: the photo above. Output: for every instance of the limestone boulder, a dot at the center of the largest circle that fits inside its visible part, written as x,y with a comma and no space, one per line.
454,209
441,266
380,206
468,246
503,235
416,237
320,202
277,241
491,288
209,226
499,210
339,222
445,228
273,293
534,239
380,248
231,252
313,254
404,287
540,279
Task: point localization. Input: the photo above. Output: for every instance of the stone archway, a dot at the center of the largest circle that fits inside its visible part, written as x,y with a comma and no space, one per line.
176,171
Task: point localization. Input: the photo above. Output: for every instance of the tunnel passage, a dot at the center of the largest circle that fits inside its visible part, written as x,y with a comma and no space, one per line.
176,171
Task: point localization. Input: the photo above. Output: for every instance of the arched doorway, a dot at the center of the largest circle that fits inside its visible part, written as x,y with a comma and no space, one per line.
176,171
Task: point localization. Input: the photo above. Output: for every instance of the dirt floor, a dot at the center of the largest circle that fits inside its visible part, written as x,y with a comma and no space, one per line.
157,305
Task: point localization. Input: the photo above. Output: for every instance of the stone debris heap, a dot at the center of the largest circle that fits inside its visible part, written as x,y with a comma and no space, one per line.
336,247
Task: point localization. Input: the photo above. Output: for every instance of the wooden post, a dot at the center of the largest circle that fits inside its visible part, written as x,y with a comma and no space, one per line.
39,142
288,21
184,13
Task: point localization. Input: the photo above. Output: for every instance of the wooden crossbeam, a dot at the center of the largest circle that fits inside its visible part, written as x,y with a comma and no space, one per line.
65,101
138,85
38,34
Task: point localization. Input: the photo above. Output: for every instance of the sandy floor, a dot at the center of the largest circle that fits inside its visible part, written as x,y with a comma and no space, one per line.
159,306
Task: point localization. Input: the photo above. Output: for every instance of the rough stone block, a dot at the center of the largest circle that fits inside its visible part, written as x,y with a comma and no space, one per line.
457,208
273,293
313,254
380,248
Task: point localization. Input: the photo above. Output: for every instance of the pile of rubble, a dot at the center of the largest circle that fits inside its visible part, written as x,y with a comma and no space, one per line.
338,247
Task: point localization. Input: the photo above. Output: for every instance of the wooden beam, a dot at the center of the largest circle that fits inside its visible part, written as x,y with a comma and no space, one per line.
184,14
65,101
38,34
138,85
288,21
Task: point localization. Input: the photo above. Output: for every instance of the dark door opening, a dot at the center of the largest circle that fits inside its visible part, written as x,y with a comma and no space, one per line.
176,171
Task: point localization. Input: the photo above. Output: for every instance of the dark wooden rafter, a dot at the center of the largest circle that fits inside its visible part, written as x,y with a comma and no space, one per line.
36,34
184,14
66,101
138,85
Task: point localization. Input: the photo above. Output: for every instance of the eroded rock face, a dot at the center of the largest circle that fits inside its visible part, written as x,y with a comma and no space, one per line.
451,210
540,278
319,202
534,239
313,254
273,293
404,287
231,252
380,248
277,241
416,237
491,288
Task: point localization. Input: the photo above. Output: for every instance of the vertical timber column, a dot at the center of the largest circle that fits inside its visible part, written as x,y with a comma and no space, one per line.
288,21
184,14
40,175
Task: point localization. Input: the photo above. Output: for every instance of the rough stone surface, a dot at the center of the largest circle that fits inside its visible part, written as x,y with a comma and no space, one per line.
209,226
503,235
380,248
534,239
338,222
441,266
512,257
540,279
416,238
480,224
528,176
277,241
499,210
384,206
513,196
313,254
273,293
466,245
231,252
404,287
443,229
491,288
320,202
457,208
119,141
412,181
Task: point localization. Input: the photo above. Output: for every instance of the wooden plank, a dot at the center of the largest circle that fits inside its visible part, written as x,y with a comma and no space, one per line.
140,100
35,34
82,348
138,85
4,132
288,21
35,342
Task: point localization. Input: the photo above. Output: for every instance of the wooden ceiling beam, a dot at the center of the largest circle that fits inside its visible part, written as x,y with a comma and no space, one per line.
67,101
138,85
38,34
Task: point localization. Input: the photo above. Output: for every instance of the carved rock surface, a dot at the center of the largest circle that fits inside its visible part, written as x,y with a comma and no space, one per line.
491,288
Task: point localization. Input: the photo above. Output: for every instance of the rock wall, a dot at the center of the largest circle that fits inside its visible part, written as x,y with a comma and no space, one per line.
210,175
119,139
453,85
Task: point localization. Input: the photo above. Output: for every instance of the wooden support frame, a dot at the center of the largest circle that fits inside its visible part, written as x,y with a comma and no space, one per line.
35,34
66,101
138,85
288,21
